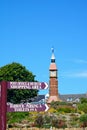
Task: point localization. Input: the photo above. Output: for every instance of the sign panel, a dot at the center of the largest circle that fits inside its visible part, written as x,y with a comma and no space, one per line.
27,85
26,107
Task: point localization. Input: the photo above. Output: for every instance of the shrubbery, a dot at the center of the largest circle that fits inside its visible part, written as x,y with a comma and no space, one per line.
49,120
66,109
83,120
83,107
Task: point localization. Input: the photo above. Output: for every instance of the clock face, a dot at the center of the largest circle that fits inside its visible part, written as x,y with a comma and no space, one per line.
53,73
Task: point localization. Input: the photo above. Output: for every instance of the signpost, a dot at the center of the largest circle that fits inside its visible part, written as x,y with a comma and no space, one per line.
26,107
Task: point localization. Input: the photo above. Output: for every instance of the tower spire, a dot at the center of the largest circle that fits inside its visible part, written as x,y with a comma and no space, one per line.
53,56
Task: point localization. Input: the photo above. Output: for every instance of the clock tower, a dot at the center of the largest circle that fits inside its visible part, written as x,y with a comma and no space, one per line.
53,81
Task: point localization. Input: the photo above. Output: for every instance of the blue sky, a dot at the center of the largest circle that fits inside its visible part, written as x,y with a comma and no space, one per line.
28,30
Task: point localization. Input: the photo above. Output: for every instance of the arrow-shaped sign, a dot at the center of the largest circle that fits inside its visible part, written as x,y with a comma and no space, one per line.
44,85
27,85
26,107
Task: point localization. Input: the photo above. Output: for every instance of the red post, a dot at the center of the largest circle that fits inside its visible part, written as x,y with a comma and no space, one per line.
3,105
0,105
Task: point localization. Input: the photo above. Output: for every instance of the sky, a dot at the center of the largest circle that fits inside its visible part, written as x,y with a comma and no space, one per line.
30,28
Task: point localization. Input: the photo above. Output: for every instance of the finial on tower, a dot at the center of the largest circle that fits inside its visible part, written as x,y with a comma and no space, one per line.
52,50
52,57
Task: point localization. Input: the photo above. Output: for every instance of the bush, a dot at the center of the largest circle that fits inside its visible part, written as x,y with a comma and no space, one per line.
83,107
56,104
83,120
66,109
58,123
16,117
83,100
39,121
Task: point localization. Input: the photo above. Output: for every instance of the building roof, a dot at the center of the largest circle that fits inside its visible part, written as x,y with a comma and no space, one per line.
65,98
39,98
72,97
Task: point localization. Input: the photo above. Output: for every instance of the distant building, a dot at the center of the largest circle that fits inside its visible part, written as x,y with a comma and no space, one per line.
73,98
39,99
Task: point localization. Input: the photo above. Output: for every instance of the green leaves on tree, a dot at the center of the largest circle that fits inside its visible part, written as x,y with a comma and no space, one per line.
17,72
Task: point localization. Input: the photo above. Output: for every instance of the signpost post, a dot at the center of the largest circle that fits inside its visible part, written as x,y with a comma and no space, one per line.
9,107
3,106
0,107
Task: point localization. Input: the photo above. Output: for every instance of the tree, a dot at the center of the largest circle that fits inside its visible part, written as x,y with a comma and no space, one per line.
17,72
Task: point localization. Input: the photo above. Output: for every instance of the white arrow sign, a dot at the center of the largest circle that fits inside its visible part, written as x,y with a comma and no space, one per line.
46,107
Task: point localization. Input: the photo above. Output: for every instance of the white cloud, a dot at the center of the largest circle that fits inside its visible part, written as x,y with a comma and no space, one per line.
76,74
79,72
81,61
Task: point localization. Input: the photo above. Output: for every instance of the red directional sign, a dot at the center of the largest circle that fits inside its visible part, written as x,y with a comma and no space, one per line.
9,107
27,85
26,107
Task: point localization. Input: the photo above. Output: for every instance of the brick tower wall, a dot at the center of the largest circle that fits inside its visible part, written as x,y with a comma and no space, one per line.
53,90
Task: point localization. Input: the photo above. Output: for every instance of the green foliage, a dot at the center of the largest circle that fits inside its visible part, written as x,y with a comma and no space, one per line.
83,100
16,117
47,119
62,124
55,122
62,107
66,109
17,96
83,120
17,72
39,121
56,104
74,120
83,107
